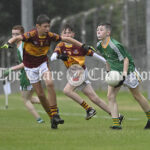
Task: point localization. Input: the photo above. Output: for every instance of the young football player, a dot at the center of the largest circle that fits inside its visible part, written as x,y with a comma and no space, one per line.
36,45
120,60
73,55
25,86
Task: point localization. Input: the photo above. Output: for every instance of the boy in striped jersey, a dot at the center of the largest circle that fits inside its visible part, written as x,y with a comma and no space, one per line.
74,56
25,86
120,60
36,46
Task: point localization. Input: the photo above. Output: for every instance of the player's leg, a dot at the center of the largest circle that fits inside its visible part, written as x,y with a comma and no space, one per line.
112,93
34,75
41,95
26,96
55,118
69,91
50,87
143,103
34,99
90,93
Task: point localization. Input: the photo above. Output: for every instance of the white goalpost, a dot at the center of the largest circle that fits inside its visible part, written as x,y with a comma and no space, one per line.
6,86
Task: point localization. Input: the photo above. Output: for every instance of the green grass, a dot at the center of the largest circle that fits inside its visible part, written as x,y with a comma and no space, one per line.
19,130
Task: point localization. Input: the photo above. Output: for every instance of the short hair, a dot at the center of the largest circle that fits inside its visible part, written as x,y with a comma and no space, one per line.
42,19
69,27
18,27
107,25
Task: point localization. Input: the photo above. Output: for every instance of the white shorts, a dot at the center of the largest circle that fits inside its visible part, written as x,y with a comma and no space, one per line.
28,88
133,79
35,74
84,83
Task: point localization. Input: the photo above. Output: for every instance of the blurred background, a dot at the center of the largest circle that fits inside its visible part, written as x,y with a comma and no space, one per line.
129,20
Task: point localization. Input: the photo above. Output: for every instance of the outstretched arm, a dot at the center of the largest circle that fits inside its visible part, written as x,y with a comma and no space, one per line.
99,58
14,68
14,39
11,41
17,67
71,40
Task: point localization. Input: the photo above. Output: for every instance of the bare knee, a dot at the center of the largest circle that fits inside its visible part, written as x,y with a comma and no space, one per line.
66,91
50,84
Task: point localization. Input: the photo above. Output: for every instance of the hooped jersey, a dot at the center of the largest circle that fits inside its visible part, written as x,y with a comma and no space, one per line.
76,54
115,54
36,47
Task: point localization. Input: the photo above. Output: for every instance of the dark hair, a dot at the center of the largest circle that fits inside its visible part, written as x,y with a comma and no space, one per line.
18,27
107,25
42,19
69,27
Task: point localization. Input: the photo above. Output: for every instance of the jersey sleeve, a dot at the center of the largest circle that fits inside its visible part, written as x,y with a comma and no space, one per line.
58,48
122,53
54,37
28,35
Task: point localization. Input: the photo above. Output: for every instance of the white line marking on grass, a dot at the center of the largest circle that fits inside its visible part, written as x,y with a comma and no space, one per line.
83,115
74,114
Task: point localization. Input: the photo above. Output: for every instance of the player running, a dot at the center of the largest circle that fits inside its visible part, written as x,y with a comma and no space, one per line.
120,60
36,45
74,56
25,86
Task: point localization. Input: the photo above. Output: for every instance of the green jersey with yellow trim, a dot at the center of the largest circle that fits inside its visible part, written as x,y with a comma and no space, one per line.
115,53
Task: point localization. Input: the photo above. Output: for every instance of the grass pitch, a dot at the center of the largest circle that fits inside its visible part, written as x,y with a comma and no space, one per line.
19,130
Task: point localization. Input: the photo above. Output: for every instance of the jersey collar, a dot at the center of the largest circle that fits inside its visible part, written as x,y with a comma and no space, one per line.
105,45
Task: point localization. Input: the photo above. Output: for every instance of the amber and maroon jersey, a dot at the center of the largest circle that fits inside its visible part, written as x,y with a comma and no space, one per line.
36,47
76,54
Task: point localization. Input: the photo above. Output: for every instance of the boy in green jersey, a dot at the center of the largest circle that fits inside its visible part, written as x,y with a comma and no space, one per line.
120,60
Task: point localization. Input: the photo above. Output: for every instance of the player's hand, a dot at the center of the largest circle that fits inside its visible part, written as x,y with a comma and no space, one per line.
121,82
6,45
87,47
92,48
7,72
63,57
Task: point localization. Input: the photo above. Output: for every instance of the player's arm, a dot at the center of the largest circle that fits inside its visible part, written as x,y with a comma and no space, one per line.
77,43
14,39
125,71
107,67
56,56
99,58
72,41
17,67
125,67
11,41
14,68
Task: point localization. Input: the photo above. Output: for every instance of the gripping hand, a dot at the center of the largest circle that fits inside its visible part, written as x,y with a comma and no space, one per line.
6,45
121,82
7,72
63,57
87,47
